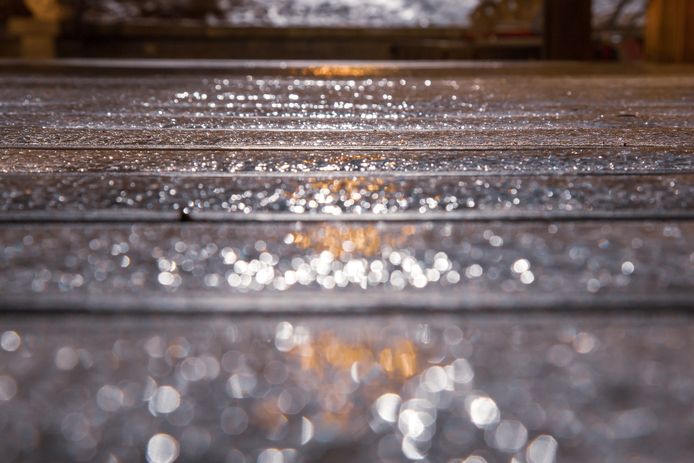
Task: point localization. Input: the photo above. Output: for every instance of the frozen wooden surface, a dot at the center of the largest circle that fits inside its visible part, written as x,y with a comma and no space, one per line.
450,260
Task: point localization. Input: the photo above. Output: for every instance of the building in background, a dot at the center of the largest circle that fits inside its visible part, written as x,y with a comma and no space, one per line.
340,29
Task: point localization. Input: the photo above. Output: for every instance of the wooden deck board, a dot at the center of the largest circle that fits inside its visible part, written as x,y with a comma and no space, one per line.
291,267
261,109
344,161
84,196
593,387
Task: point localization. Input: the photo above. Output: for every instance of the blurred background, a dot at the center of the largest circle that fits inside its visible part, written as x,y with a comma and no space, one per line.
349,29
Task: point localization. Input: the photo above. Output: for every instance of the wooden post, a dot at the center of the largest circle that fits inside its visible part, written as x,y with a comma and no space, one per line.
36,37
670,31
38,33
567,34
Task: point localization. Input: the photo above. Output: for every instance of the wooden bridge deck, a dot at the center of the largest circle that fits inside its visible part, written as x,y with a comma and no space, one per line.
260,261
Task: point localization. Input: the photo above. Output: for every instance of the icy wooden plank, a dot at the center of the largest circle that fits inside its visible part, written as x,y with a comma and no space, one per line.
366,139
441,110
262,197
256,383
324,266
544,161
